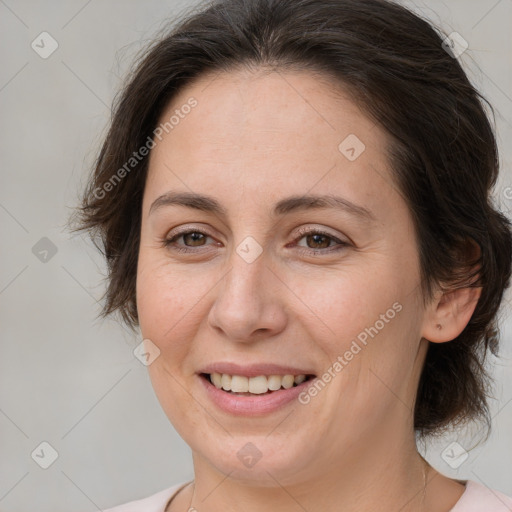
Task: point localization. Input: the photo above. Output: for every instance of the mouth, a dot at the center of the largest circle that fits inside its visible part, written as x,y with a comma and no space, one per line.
241,385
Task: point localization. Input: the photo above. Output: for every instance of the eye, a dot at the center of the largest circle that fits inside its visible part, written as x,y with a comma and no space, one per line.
191,238
319,242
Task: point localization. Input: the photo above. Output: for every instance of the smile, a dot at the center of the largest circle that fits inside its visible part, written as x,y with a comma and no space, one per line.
239,400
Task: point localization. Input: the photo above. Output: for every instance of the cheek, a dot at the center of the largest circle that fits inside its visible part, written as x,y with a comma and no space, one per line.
169,311
343,303
173,302
164,297
365,320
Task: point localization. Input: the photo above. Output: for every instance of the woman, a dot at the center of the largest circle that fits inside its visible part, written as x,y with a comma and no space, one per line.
294,203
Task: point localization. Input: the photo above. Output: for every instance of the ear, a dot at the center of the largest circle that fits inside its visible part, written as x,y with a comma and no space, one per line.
449,313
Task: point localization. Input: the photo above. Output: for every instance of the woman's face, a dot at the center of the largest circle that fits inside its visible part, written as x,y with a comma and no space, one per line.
323,289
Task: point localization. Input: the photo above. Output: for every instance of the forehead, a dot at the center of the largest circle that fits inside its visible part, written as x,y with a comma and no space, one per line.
283,131
269,104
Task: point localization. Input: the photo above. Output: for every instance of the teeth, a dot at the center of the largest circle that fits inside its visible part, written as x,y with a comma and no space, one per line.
274,382
225,382
287,381
258,385
216,379
299,379
239,384
255,385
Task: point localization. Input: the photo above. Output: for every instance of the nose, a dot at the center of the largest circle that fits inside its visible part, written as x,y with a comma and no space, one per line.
248,304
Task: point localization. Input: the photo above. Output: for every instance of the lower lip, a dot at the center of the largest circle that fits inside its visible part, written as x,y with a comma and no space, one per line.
252,405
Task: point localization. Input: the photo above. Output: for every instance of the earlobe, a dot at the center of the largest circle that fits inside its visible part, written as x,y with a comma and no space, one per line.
449,314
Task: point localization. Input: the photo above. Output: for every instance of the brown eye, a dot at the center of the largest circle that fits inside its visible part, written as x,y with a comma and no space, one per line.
318,241
191,239
194,238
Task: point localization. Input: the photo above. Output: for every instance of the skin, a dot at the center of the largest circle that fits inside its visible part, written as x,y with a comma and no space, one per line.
255,138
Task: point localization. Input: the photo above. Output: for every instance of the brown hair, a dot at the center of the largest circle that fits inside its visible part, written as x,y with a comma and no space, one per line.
443,155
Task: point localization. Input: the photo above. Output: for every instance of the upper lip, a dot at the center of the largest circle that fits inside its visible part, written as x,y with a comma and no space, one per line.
253,370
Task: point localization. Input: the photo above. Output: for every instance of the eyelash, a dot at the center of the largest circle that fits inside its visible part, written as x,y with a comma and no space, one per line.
169,242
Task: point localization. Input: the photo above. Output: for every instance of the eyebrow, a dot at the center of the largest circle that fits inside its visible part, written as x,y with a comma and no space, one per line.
287,205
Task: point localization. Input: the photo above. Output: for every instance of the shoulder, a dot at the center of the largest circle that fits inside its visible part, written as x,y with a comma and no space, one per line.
478,498
154,503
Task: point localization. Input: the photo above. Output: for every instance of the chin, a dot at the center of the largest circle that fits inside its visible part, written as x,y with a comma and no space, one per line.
258,460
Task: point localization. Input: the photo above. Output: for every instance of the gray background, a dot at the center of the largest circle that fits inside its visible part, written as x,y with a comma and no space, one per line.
71,380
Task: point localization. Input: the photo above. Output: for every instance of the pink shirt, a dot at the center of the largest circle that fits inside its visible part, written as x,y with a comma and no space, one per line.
476,498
